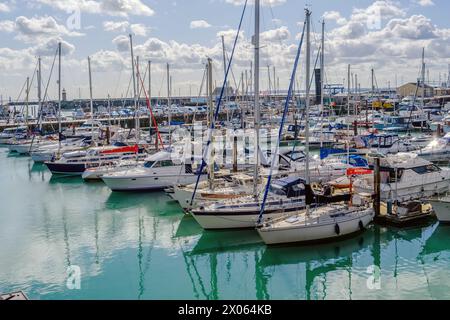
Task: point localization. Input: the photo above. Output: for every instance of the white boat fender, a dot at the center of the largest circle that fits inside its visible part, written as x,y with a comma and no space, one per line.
337,229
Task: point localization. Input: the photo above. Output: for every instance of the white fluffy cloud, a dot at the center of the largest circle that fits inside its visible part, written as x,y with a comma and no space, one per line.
109,7
36,28
137,29
4,7
334,16
7,26
425,3
279,34
199,24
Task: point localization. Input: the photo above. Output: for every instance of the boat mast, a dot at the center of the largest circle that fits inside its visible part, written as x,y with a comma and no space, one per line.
27,101
348,92
211,120
256,90
224,67
308,65
169,103
40,93
423,77
322,71
59,94
91,101
134,90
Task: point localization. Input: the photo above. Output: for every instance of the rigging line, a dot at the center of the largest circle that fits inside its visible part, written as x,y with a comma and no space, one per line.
21,91
124,98
283,119
118,82
216,114
50,75
147,100
273,19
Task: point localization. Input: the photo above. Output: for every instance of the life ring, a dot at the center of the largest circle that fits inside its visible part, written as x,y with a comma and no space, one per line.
337,229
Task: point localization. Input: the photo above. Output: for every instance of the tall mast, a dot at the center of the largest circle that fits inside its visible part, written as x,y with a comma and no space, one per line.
348,91
355,106
39,78
169,103
27,100
59,93
224,67
274,81
372,91
256,90
134,90
90,97
423,77
211,119
307,79
322,71
150,81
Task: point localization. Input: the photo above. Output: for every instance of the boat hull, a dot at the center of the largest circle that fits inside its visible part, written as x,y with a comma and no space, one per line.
319,232
143,183
66,169
241,218
442,210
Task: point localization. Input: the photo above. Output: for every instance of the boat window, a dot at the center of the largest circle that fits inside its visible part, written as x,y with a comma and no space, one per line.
393,177
149,164
278,190
426,169
163,163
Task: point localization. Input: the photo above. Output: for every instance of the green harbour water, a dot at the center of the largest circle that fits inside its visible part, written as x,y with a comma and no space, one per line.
141,246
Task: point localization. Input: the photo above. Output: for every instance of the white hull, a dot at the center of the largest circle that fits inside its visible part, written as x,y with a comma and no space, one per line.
227,221
411,192
41,157
154,182
184,197
442,210
314,230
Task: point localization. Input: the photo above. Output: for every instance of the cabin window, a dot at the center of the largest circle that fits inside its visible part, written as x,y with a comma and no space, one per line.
395,177
149,164
426,169
163,163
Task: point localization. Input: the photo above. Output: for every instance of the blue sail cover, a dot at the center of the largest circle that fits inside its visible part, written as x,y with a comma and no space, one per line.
325,152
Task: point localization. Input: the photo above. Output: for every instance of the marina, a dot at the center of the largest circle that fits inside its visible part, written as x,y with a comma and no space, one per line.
311,190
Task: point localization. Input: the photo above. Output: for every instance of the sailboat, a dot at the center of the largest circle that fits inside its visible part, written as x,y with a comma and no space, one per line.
319,223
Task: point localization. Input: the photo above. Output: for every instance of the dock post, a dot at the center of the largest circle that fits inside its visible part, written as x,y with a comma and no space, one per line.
235,155
377,182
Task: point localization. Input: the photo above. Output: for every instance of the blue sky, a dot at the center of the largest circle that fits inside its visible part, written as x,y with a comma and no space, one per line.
185,32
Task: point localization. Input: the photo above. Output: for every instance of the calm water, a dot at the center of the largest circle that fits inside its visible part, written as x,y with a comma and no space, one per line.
140,246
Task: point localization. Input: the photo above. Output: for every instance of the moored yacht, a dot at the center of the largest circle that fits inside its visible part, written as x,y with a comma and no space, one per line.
75,163
158,172
287,195
405,177
442,208
437,150
317,224
10,133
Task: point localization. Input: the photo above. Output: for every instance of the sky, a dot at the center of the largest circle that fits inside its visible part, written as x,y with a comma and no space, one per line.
386,35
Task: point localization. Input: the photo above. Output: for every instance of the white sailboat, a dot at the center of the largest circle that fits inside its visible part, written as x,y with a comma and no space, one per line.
319,223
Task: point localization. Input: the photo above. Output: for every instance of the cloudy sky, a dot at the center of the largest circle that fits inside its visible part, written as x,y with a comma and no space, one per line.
385,35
